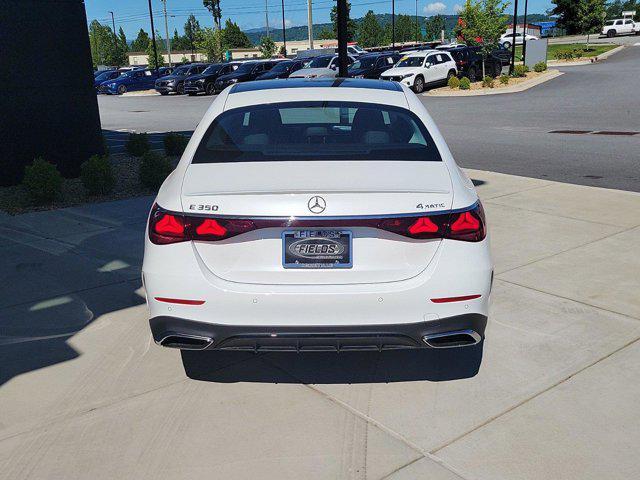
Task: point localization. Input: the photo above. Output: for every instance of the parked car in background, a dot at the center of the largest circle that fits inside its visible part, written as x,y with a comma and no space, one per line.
620,26
104,76
175,82
354,50
322,66
164,71
246,72
420,69
205,81
469,61
507,39
141,79
283,69
371,65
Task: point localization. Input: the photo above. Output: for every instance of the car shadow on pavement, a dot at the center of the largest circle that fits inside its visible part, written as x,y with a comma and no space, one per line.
435,365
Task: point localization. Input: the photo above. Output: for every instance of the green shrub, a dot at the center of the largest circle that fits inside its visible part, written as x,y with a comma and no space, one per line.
97,175
487,82
42,181
454,82
465,83
566,54
154,168
137,144
174,143
540,67
520,71
504,79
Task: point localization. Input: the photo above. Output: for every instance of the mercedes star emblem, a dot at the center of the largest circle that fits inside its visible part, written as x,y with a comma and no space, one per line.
317,204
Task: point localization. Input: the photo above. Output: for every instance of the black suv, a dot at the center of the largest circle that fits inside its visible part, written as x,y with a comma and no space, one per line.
175,81
371,65
246,72
205,81
283,69
469,61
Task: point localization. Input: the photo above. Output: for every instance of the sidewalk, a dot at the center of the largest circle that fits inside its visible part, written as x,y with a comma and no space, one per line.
84,392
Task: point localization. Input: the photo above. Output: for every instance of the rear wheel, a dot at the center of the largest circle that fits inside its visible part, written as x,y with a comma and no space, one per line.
611,33
450,75
210,89
180,89
497,69
418,84
122,89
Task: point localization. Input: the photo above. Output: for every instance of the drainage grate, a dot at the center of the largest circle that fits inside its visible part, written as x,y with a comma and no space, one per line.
605,132
571,132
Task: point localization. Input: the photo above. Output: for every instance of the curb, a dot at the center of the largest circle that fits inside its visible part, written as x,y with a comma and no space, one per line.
526,85
141,93
591,60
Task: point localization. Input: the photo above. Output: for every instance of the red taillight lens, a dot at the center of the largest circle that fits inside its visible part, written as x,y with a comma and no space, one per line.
423,225
210,227
165,227
468,226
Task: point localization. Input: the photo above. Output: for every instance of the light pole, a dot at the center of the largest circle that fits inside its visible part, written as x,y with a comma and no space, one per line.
513,37
524,33
266,16
153,37
342,12
393,24
310,23
115,39
284,33
166,31
416,22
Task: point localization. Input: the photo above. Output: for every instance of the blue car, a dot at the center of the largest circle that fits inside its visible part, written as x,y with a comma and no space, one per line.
104,76
129,82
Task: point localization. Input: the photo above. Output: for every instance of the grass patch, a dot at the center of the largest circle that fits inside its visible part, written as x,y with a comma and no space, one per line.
595,49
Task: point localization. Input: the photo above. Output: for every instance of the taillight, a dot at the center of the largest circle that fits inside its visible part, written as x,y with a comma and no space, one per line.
468,225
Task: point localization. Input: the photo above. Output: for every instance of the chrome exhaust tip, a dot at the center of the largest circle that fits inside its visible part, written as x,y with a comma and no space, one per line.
457,338
186,342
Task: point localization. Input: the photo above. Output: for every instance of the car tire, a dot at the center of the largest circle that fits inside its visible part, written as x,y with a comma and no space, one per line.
611,33
507,45
180,89
122,89
418,84
164,93
472,74
192,94
210,89
450,75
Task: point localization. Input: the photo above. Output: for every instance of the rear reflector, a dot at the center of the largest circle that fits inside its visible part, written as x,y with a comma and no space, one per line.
179,301
455,299
465,224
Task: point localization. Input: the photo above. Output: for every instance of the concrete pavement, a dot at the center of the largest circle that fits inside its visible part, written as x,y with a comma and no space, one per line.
552,393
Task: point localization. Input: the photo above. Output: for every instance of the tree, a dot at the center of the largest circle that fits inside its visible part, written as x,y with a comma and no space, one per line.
433,27
233,37
214,7
370,32
178,42
151,58
351,24
191,31
405,28
325,34
481,23
615,9
141,42
210,43
105,46
579,16
267,47
122,39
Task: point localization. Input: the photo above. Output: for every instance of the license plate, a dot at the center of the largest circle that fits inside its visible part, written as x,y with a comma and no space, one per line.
316,249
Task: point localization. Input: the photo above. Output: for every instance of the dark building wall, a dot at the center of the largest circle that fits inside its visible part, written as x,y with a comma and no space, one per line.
47,103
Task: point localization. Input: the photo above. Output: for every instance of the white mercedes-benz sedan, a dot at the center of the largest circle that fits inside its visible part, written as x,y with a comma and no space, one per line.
313,215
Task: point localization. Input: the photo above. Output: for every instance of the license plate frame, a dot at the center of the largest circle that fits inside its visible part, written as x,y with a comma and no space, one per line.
343,260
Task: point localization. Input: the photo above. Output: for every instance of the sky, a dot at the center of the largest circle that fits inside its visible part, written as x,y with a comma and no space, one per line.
134,14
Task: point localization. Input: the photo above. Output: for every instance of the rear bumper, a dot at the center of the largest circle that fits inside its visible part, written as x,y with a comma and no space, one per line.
464,330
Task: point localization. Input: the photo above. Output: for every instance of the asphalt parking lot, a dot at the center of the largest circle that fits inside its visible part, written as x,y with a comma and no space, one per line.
502,133
551,393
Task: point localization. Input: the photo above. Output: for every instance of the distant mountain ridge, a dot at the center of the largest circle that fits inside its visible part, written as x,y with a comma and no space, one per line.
301,33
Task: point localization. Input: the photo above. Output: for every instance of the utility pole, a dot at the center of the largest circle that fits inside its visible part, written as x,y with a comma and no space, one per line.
115,39
166,31
393,24
153,37
284,33
417,22
513,37
310,22
343,13
266,15
524,33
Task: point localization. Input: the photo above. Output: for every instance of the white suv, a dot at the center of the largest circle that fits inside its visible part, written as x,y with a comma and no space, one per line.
419,69
507,39
620,26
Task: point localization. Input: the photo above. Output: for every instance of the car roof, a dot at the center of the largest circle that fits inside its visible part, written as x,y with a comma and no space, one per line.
422,53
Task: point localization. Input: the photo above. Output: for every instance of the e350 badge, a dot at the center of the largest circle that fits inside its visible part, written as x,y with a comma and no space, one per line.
203,208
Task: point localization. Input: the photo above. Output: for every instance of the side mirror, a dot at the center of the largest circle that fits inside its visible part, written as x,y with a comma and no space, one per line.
334,67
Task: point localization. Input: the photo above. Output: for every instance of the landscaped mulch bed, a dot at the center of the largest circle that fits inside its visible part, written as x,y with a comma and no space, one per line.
15,200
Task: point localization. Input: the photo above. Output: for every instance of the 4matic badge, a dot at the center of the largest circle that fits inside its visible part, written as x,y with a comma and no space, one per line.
429,206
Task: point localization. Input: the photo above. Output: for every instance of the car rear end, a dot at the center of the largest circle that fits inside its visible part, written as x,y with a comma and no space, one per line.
336,219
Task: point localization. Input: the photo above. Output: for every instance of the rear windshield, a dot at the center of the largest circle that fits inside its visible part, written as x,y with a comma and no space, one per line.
308,131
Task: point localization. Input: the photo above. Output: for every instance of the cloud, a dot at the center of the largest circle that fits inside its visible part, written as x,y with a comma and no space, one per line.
457,8
435,7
